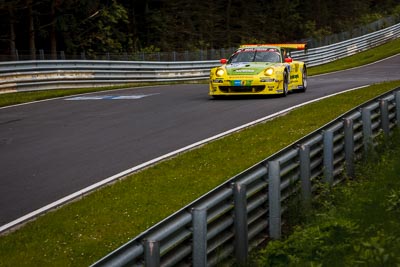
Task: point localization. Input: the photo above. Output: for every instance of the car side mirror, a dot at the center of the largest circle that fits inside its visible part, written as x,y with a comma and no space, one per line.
223,61
288,60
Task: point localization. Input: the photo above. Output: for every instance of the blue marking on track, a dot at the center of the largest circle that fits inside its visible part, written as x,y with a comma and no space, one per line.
110,97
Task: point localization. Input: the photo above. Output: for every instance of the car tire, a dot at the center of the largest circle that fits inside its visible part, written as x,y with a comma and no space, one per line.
285,83
304,80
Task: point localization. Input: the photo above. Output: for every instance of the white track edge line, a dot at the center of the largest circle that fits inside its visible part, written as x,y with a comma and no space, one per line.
88,189
68,96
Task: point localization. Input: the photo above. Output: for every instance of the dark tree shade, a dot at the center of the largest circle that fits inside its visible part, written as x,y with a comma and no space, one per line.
117,26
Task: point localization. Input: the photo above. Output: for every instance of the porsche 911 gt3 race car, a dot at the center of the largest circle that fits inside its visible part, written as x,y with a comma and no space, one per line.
259,69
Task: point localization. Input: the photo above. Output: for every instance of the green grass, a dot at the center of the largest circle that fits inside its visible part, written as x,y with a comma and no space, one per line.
82,232
356,224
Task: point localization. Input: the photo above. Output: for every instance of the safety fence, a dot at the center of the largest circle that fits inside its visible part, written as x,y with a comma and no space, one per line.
250,208
18,76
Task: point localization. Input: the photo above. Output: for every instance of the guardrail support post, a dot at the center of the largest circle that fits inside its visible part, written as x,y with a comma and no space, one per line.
241,228
305,173
383,104
397,99
349,146
152,253
199,252
367,128
328,156
274,197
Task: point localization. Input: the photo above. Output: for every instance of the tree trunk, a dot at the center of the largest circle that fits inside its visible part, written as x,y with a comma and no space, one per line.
12,33
228,23
53,36
31,28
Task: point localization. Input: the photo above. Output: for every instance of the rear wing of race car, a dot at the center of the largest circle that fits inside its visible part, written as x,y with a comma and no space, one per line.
284,46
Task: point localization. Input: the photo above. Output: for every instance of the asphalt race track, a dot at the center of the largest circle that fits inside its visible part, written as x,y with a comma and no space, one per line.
54,148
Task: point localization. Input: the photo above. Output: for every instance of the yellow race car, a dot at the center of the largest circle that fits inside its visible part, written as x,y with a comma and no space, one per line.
259,69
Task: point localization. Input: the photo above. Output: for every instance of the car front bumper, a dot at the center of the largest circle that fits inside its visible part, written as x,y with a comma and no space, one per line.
265,86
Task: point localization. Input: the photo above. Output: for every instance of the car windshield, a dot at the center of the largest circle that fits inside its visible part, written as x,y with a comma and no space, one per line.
252,55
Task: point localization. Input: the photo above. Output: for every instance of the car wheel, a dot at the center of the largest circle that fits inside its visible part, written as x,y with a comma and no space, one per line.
285,83
304,79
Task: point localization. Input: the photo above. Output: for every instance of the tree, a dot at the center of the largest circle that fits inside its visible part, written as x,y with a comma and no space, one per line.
115,26
8,11
91,26
106,34
55,4
31,28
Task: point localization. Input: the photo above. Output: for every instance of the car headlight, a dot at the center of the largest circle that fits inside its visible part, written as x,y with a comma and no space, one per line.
220,72
269,71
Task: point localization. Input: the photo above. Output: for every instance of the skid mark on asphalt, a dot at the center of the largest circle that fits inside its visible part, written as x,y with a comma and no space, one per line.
110,97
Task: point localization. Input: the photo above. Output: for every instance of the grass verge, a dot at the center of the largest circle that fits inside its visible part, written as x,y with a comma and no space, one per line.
355,225
82,232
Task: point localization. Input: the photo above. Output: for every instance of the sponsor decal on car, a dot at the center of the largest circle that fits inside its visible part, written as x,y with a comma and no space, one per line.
244,71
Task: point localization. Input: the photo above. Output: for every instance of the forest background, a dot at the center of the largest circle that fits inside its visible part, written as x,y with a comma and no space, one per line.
116,26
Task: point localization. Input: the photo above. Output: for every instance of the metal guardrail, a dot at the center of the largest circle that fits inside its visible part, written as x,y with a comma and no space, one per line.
56,74
326,54
45,74
250,208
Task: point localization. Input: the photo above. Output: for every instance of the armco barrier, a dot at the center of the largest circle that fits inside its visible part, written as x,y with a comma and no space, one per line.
326,54
45,74
56,74
250,208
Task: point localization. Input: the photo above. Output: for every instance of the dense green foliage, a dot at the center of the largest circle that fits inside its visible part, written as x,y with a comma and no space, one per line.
356,224
151,25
